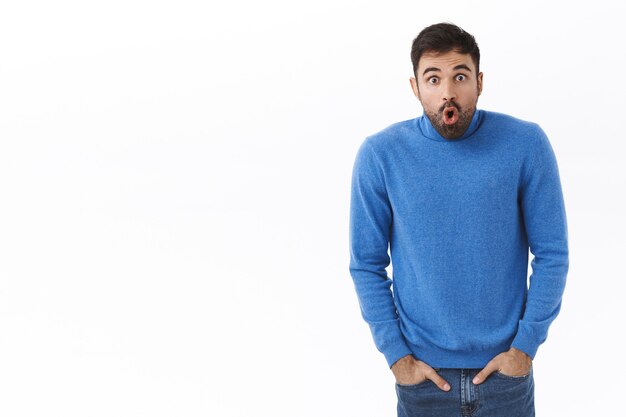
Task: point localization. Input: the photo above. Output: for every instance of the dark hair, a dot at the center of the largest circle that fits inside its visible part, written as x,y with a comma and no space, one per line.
442,38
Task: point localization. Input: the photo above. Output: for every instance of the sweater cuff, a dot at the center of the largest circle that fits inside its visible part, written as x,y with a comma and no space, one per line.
525,340
396,351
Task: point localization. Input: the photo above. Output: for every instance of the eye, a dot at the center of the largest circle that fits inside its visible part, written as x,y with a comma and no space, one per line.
430,80
462,77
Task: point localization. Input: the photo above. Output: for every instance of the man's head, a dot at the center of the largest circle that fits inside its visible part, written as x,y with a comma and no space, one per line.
447,81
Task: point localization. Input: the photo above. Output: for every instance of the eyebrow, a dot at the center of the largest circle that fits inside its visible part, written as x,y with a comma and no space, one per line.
461,66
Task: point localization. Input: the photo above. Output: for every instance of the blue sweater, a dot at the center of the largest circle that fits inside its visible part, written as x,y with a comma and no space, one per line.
458,218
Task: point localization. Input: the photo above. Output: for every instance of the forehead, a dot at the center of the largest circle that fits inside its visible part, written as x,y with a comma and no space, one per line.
444,61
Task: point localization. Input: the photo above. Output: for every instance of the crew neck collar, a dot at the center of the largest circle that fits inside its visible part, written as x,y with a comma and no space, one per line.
428,130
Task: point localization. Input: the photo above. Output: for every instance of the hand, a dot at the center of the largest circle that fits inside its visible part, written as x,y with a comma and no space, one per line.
513,363
409,371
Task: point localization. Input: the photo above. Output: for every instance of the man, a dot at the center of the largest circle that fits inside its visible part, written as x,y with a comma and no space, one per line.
458,195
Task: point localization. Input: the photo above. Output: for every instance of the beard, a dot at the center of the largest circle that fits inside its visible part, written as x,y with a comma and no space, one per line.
455,130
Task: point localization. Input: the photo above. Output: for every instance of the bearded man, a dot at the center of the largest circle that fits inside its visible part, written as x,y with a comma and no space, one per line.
454,199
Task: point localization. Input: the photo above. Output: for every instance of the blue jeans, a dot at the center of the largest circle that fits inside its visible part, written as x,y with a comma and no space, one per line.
499,395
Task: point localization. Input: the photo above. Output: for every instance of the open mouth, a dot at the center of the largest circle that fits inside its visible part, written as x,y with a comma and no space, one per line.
450,115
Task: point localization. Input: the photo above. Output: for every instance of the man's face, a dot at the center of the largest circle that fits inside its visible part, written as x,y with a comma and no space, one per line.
448,88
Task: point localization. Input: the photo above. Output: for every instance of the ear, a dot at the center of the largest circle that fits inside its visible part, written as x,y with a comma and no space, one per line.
480,82
414,87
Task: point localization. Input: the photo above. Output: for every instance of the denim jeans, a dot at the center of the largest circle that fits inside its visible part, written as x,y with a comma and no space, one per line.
499,395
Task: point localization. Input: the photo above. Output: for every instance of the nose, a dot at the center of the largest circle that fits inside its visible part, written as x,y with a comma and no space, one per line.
449,93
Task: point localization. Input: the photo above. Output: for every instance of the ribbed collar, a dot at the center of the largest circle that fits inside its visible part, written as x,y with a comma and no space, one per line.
427,129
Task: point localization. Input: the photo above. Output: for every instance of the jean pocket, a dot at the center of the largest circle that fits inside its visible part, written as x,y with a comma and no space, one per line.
514,377
419,384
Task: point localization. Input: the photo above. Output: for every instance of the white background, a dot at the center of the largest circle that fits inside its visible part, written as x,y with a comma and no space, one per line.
174,184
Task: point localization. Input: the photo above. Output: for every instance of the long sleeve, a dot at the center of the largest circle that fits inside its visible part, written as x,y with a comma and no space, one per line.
541,200
370,224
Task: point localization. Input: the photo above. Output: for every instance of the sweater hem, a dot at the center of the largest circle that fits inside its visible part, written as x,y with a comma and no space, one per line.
442,358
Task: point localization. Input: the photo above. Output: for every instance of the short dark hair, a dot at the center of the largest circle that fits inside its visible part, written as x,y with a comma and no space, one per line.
442,38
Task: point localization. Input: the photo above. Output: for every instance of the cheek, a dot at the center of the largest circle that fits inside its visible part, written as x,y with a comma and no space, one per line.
470,95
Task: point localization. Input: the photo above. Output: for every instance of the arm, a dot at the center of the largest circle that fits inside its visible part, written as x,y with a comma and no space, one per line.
370,223
541,200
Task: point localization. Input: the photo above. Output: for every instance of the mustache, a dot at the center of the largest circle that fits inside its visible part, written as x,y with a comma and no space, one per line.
449,104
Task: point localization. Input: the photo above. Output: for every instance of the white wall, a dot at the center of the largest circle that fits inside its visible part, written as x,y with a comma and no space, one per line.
174,194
